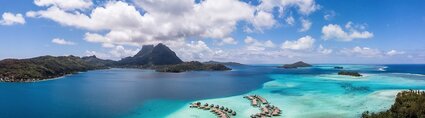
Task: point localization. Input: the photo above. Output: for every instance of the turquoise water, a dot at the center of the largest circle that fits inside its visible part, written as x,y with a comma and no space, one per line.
130,93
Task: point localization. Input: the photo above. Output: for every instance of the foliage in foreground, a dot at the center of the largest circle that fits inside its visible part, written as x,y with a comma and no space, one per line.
408,104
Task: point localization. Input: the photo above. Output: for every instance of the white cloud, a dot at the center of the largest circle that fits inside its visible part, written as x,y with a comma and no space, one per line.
115,53
334,31
362,52
121,52
323,50
11,19
65,4
194,50
263,20
304,6
290,20
303,43
62,41
394,52
255,45
329,15
228,40
125,25
306,24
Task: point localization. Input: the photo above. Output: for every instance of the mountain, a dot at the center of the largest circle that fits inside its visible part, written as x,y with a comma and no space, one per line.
159,57
296,65
98,62
44,67
224,63
152,55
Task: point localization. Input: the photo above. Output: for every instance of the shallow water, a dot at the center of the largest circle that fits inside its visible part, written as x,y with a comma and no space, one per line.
306,92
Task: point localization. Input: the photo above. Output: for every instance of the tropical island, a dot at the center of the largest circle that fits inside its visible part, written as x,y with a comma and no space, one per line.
350,73
159,58
224,63
408,104
296,65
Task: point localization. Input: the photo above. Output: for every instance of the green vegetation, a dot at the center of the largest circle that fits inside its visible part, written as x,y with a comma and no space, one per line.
160,58
350,73
408,104
224,63
44,67
191,66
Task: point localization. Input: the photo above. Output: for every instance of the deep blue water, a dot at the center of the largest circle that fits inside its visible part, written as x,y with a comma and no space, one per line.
120,92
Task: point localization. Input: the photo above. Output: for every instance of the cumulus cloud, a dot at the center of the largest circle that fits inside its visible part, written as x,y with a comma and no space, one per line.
195,50
118,25
303,43
362,52
126,25
394,52
263,20
11,19
60,41
255,45
65,4
334,31
304,6
115,52
306,24
329,15
323,50
228,40
290,20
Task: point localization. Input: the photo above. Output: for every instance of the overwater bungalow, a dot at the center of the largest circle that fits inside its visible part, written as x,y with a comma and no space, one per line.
276,112
264,101
265,110
195,105
220,112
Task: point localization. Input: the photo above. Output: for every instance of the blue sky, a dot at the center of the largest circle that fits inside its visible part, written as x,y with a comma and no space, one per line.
263,31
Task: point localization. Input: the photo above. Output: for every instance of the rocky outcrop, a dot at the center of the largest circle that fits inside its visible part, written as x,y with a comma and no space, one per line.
152,55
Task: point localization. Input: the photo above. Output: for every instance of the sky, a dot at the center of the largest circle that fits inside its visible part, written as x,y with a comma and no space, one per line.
246,31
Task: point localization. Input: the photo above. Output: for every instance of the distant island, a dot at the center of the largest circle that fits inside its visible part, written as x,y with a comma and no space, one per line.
191,66
296,65
350,73
408,104
224,63
159,58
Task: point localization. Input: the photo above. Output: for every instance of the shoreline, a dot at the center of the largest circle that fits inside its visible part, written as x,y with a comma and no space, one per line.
48,79
311,104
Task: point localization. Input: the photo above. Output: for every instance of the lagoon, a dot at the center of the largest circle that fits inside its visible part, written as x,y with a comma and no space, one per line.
305,92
